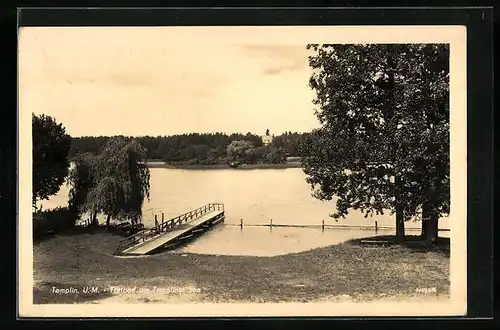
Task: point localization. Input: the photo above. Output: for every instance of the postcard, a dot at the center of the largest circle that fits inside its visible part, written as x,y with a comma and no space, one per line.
242,171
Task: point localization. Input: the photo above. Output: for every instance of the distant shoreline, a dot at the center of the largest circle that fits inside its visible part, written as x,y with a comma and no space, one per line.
159,164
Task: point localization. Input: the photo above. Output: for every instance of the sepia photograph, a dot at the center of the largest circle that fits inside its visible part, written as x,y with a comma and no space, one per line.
237,170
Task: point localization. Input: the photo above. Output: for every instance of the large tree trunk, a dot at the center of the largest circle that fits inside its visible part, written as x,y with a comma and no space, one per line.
94,220
389,114
400,224
429,224
424,227
432,232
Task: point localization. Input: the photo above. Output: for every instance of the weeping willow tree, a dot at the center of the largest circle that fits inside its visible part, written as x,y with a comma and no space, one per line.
81,180
384,137
115,182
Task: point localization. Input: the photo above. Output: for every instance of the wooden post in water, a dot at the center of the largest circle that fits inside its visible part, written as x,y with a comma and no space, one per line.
271,224
241,223
322,224
376,226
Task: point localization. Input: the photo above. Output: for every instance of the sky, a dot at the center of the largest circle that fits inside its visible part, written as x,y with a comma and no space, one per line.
164,81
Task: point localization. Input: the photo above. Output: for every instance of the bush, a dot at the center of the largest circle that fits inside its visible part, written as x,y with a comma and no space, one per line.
57,220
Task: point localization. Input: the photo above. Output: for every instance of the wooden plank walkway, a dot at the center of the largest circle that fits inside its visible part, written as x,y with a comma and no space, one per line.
169,232
157,242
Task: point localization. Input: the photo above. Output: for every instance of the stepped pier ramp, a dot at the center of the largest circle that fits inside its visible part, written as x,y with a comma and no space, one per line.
171,233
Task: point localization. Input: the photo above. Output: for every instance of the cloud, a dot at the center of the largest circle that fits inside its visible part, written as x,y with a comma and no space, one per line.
283,68
161,67
278,58
128,79
132,83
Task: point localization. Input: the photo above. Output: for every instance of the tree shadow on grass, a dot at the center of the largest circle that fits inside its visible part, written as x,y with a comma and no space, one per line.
413,242
45,293
79,231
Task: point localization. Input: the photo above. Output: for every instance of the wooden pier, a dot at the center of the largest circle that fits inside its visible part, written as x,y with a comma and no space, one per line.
170,233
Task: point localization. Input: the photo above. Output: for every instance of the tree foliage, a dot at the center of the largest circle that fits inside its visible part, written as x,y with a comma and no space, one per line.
81,179
384,111
274,155
203,149
240,151
114,182
289,142
51,146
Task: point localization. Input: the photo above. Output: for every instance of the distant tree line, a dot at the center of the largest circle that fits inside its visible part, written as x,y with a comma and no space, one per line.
290,142
202,149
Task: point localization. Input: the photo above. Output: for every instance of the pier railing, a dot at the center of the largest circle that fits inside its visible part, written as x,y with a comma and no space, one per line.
165,226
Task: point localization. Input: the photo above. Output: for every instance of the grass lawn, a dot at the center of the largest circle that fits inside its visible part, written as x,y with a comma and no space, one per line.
350,270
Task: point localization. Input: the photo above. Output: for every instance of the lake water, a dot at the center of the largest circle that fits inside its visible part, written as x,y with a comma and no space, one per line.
256,196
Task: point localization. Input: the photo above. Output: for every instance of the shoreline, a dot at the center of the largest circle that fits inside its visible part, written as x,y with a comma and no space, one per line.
77,261
156,164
